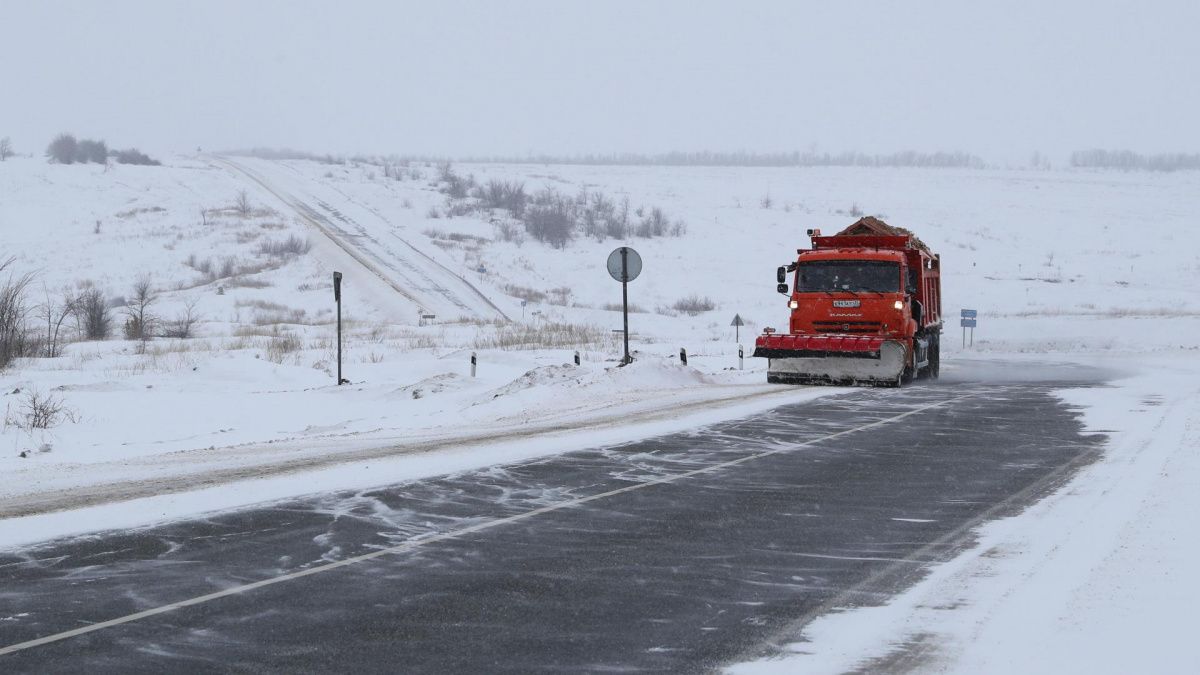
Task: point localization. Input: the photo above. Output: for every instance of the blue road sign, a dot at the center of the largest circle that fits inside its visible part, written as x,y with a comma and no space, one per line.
969,314
967,323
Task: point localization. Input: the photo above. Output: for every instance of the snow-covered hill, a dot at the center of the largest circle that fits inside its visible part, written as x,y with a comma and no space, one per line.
1056,263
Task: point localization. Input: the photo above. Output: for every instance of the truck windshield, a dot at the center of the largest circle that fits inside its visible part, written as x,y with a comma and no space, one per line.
848,275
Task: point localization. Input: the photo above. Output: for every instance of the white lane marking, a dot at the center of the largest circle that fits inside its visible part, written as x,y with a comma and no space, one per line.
454,534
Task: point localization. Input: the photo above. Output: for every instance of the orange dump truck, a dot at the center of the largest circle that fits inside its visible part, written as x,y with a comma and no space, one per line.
866,308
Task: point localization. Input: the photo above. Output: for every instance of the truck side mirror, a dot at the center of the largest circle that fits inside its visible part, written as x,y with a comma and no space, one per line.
781,275
782,288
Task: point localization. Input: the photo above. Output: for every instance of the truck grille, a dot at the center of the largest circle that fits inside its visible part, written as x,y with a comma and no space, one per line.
845,327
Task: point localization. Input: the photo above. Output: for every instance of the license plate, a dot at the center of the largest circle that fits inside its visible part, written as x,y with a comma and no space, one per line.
846,303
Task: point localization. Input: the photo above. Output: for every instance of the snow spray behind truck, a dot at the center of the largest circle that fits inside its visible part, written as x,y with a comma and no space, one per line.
866,307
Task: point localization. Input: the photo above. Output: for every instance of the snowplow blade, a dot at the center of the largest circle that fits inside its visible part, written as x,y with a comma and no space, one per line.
831,359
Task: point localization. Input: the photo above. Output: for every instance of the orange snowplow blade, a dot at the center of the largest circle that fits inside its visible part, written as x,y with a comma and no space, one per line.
831,359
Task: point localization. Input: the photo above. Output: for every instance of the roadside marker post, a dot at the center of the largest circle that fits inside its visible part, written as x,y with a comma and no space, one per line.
683,355
474,363
576,357
337,297
741,358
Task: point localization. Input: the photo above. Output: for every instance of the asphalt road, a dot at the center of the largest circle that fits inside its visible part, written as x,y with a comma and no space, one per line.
681,553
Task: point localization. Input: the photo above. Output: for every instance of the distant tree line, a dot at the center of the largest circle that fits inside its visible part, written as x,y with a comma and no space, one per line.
66,149
1127,160
907,158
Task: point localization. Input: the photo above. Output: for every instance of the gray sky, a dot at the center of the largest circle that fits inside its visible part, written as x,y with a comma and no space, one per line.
1000,79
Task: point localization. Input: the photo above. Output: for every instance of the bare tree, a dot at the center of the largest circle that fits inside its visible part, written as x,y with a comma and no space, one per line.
242,205
55,315
139,324
14,341
6,150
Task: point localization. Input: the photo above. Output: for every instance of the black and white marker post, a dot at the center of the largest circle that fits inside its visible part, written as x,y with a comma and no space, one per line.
337,296
624,265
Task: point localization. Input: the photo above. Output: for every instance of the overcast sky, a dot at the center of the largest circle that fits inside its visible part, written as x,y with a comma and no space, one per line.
1000,79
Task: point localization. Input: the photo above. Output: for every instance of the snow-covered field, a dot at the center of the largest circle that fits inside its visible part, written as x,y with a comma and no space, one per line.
1096,267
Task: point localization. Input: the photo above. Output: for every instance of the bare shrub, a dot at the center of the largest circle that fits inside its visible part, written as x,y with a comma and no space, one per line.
508,195
548,335
91,151
6,150
560,296
40,411
653,224
242,205
279,347
183,324
63,149
766,202
458,208
135,156
507,230
617,307
617,227
291,247
526,294
551,218
93,315
693,305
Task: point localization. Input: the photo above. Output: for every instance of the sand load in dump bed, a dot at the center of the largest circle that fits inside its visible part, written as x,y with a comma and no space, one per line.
872,226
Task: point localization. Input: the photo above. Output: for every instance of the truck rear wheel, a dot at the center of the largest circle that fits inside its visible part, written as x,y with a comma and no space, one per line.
935,358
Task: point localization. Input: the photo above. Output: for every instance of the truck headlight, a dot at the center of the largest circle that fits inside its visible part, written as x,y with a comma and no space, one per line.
793,304
899,304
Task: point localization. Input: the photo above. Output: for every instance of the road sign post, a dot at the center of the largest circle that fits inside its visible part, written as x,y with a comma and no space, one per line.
624,265
737,324
969,319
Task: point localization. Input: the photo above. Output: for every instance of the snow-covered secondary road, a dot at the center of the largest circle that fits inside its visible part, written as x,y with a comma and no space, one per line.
680,553
369,250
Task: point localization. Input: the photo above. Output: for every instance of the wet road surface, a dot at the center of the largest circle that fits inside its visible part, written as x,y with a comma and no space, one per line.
680,553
